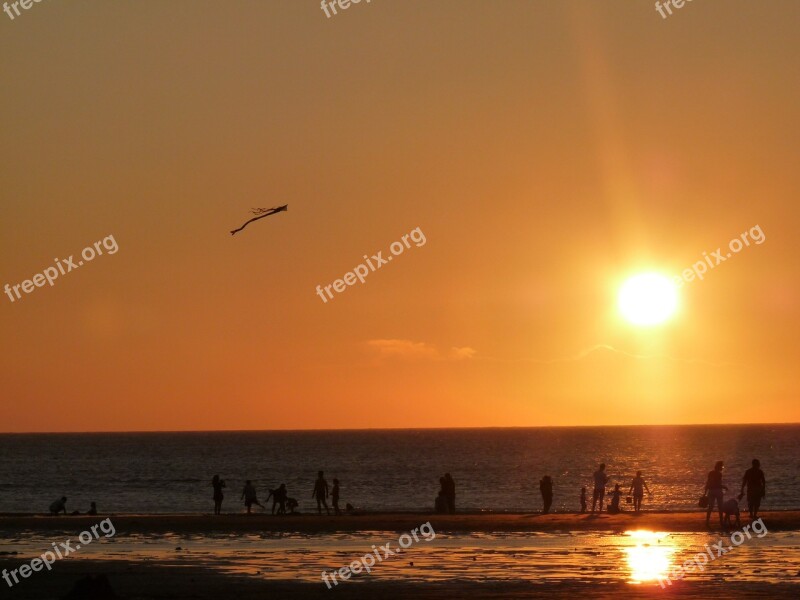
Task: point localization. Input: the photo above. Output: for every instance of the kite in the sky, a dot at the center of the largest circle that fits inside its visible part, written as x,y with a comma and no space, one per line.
260,214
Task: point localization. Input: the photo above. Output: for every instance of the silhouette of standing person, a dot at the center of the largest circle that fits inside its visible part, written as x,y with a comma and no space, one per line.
546,487
599,492
638,486
249,496
583,500
440,505
450,493
756,488
335,497
715,491
281,495
321,493
218,484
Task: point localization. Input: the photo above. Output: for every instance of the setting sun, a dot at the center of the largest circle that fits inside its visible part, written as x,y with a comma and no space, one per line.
647,299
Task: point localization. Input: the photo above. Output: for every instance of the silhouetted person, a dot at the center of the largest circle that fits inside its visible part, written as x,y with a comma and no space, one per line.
274,495
440,505
59,506
321,493
600,481
291,504
546,487
335,497
756,488
249,495
282,496
614,508
715,491
218,484
92,509
583,500
450,493
638,486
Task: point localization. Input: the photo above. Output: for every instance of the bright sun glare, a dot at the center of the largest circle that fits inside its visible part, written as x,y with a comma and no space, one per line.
648,299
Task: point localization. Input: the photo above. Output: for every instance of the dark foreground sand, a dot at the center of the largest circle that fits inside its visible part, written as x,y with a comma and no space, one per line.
153,582
479,522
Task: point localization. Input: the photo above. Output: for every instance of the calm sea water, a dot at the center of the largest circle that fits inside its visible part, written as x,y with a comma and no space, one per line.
494,469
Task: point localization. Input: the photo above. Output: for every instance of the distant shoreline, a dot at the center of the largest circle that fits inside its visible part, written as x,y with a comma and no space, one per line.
784,520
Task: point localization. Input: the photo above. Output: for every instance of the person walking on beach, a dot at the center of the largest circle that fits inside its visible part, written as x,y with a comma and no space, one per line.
546,487
279,498
277,495
321,493
715,491
600,481
59,506
335,497
450,493
756,488
218,484
638,485
583,500
249,495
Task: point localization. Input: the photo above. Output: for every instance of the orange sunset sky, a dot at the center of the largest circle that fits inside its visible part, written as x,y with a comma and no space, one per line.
547,151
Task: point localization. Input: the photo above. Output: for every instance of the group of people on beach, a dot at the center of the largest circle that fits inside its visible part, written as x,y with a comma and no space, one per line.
637,488
713,493
60,505
280,496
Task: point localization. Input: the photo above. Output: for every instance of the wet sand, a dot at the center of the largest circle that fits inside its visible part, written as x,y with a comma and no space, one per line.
477,556
137,581
308,523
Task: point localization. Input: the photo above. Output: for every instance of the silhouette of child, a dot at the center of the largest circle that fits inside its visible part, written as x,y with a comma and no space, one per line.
613,508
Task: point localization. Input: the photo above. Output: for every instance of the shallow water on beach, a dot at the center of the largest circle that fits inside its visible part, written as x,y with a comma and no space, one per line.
633,557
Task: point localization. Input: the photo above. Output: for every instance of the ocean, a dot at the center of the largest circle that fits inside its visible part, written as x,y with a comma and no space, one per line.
389,470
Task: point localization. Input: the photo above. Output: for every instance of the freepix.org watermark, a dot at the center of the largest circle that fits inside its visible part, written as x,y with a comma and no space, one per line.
713,552
50,274
701,267
366,562
60,550
26,4
676,3
361,271
325,5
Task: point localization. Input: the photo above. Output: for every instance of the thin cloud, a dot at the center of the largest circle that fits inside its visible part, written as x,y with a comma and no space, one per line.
410,350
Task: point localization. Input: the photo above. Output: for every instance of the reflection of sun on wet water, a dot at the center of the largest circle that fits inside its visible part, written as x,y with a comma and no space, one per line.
649,557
